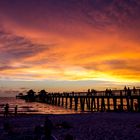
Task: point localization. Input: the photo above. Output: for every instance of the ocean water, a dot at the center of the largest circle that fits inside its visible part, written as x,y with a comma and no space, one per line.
31,107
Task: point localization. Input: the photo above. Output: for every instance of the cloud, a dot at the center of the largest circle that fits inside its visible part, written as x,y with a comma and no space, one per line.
112,13
7,67
69,40
131,65
16,47
73,18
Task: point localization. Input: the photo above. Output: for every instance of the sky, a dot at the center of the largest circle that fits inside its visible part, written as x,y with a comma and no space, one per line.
68,45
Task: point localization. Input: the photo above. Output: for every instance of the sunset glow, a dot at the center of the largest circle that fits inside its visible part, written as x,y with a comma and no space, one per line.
72,40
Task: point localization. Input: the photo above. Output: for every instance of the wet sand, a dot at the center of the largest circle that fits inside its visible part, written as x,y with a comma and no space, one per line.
87,126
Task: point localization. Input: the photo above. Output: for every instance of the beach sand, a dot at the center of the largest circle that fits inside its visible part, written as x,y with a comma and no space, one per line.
87,126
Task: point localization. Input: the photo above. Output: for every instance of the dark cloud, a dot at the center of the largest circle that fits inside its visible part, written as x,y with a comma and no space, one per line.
7,67
13,47
9,92
115,65
113,12
131,65
51,14
59,18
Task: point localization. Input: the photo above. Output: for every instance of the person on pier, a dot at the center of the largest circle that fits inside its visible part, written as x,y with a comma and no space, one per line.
110,92
125,90
134,90
106,92
128,92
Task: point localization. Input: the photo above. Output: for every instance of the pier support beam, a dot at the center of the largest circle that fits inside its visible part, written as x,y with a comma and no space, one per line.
82,103
76,102
121,103
62,101
138,104
98,108
70,102
114,103
128,105
132,105
66,102
102,104
108,103
88,102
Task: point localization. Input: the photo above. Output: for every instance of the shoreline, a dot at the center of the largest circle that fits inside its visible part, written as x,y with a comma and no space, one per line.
83,126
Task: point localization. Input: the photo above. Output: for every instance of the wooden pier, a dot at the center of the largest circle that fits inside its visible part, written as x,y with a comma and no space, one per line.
87,101
96,103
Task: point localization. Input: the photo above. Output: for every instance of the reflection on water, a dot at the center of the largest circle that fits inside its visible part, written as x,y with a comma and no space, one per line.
32,107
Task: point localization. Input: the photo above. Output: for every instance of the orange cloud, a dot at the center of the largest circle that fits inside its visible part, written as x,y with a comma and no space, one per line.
81,43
